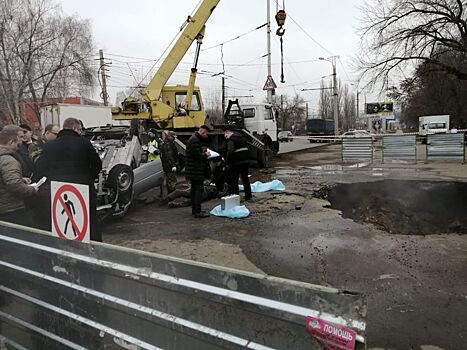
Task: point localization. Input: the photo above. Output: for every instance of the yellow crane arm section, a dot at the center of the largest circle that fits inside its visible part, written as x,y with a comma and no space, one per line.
195,25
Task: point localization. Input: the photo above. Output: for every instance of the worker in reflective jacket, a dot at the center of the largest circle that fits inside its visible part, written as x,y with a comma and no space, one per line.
237,162
153,145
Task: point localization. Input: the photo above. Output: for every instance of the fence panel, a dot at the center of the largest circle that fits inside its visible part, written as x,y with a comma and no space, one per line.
400,148
357,149
57,294
446,147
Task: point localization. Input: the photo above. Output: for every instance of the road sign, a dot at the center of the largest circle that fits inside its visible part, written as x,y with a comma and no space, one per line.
70,211
270,84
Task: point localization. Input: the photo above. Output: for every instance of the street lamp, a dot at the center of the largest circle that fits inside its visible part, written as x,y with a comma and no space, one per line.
332,60
357,114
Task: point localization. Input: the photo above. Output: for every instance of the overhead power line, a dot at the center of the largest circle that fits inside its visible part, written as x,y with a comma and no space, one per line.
304,31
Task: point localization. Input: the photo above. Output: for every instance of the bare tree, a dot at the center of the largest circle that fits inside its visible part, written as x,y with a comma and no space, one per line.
42,54
292,112
433,92
213,105
347,107
326,101
346,104
400,34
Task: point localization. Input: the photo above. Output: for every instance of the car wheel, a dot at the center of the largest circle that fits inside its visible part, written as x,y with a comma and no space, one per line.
121,178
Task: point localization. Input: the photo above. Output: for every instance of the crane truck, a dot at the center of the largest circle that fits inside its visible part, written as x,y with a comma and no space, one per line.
180,108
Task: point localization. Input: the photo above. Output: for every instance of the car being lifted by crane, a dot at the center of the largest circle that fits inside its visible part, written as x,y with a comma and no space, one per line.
181,108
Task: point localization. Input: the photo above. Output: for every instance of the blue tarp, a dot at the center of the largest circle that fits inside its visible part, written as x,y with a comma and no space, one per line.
258,186
238,212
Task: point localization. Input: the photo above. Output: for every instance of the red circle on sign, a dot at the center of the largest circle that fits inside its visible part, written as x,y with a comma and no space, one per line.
78,195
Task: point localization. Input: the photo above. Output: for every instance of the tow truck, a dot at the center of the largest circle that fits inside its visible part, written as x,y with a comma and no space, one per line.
180,108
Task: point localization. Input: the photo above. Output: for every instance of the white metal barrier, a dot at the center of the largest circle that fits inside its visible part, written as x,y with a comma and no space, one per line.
57,294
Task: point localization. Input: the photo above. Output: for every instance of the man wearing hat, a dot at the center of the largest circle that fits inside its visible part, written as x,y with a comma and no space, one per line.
169,158
153,145
196,168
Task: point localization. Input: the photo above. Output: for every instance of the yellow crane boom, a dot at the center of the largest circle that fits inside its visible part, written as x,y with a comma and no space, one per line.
177,106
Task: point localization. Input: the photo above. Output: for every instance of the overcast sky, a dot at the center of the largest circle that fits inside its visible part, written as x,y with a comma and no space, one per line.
135,34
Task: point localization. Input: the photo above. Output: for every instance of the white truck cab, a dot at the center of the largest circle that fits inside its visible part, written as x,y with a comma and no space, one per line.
433,124
260,118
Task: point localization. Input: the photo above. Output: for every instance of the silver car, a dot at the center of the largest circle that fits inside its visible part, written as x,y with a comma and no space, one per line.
123,176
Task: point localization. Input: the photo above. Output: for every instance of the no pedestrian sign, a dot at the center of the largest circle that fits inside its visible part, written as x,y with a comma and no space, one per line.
70,211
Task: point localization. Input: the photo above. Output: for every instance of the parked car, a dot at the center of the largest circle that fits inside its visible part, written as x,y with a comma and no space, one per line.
285,136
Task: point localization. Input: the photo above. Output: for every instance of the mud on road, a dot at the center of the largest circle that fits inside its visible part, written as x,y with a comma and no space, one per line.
415,284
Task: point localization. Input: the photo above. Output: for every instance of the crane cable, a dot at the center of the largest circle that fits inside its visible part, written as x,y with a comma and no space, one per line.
280,19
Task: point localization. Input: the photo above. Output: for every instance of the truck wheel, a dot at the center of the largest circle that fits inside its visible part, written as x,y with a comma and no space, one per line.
275,145
263,158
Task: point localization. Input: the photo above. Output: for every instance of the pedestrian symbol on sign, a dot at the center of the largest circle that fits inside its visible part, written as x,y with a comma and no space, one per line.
69,211
270,84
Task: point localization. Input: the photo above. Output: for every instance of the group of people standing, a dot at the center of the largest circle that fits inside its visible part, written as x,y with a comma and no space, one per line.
58,155
65,156
197,167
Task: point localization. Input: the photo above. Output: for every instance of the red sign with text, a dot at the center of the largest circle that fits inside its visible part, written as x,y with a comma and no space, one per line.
330,335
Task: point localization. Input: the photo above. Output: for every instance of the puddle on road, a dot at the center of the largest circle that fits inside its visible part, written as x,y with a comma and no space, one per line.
403,207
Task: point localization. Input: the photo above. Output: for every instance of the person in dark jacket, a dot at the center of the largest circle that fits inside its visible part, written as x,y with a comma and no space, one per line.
219,177
169,158
71,158
237,162
182,197
23,150
14,189
196,165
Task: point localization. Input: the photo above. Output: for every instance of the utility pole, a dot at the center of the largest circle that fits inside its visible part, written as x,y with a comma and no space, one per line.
357,115
282,113
333,60
104,94
223,95
269,99
336,101
306,111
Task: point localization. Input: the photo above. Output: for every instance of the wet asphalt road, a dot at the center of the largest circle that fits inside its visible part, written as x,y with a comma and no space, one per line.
415,286
296,145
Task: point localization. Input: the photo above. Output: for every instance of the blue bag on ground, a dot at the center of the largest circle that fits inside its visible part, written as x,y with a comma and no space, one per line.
258,186
238,212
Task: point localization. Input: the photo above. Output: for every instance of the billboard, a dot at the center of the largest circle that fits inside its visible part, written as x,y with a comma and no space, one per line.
382,108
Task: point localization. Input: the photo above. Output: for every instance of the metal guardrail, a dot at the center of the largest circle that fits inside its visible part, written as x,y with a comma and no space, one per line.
357,149
446,147
400,148
57,294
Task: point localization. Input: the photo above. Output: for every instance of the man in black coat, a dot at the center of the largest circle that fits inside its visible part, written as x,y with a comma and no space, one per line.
23,151
72,158
196,169
237,162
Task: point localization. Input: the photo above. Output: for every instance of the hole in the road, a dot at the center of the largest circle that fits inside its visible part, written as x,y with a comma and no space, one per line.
404,207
